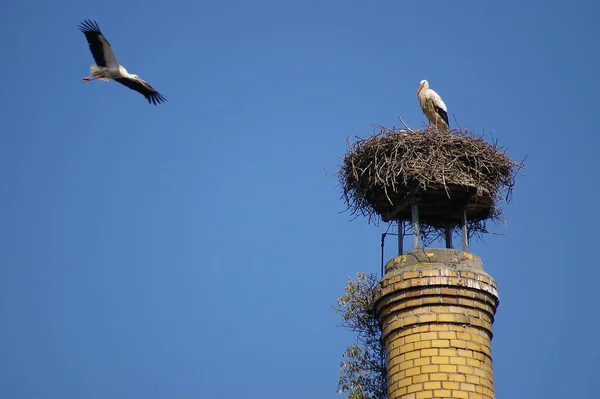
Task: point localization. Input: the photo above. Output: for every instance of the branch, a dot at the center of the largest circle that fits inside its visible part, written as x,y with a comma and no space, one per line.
405,125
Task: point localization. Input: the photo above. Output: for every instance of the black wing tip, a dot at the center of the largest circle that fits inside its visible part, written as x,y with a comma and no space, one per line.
156,98
153,96
443,114
89,26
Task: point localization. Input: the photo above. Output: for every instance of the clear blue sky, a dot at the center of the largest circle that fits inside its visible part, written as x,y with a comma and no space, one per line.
193,249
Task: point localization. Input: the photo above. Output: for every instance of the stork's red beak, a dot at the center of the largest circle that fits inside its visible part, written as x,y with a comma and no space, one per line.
419,89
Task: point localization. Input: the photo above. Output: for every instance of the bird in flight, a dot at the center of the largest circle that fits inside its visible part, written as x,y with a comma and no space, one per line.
433,107
107,67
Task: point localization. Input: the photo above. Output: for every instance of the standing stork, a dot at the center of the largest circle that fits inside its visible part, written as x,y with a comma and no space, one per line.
107,67
433,107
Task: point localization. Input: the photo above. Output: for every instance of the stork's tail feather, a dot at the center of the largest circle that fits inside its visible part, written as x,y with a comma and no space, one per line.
97,72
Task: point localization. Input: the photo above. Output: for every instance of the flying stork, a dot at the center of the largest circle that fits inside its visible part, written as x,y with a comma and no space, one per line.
107,67
433,107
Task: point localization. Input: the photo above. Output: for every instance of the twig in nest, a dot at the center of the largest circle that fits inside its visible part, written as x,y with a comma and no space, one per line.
405,125
456,121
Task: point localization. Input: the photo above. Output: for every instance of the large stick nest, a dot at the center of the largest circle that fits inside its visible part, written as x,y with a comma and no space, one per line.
384,174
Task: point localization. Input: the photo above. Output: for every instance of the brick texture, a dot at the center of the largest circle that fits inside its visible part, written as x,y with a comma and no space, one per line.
436,315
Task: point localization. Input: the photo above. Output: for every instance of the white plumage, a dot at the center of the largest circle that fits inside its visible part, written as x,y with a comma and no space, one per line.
433,107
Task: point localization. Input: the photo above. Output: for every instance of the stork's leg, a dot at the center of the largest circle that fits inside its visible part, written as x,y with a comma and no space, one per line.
88,78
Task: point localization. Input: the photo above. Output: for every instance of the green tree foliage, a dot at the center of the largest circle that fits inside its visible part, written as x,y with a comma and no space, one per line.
362,370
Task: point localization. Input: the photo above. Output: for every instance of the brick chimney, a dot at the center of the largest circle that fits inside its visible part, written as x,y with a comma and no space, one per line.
436,308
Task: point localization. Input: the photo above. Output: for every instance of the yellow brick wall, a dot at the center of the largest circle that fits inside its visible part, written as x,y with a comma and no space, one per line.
437,327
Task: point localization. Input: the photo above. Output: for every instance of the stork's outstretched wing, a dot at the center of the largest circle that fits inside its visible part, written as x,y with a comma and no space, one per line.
99,46
141,86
